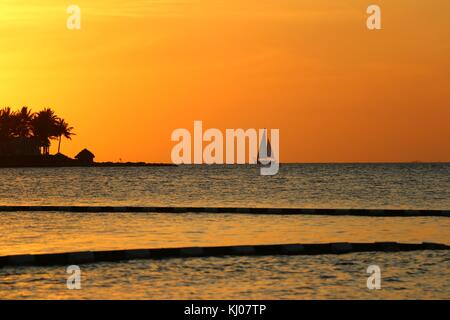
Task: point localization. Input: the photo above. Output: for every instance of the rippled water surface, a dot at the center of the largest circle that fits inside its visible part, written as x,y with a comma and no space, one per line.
405,275
411,186
39,232
409,275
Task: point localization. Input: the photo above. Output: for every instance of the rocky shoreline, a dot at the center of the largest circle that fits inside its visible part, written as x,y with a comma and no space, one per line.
59,160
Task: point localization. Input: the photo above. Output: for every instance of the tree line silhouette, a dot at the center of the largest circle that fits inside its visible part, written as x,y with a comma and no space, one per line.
42,127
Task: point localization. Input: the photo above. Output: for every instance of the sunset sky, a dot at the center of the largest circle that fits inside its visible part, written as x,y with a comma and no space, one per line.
139,69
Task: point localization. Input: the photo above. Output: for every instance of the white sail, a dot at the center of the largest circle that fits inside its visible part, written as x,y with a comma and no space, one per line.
265,149
263,146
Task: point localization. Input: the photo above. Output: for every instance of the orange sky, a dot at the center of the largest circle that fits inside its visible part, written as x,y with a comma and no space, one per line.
138,69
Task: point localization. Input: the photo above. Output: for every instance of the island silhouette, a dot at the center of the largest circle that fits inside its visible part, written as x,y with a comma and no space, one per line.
26,136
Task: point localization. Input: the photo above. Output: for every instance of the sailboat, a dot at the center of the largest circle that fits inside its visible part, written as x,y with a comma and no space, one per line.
265,150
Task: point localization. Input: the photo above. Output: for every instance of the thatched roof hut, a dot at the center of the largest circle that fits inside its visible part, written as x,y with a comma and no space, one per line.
85,156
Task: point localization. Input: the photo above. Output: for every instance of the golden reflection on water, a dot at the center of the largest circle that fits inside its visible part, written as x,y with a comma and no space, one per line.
33,232
370,186
405,275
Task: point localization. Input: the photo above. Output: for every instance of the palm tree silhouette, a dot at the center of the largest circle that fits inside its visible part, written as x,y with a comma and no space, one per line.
6,124
42,127
63,130
44,124
22,123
